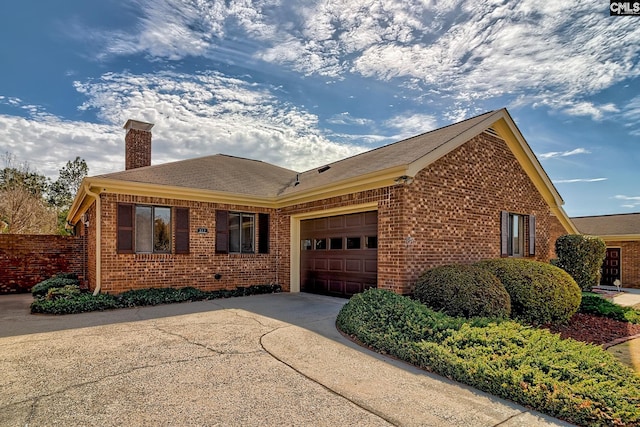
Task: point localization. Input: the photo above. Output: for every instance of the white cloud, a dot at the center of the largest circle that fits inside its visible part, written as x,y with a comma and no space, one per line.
597,112
555,154
194,115
346,118
630,201
210,113
572,181
535,52
47,143
409,125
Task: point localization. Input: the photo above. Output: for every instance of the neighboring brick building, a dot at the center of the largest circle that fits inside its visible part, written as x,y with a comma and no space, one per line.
466,192
621,233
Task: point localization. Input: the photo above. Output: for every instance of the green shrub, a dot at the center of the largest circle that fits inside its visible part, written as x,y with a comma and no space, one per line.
595,304
68,291
57,281
581,257
78,303
155,296
578,382
68,300
463,290
540,293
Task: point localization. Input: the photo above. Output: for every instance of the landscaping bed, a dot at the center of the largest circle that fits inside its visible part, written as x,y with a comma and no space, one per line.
578,382
596,329
61,294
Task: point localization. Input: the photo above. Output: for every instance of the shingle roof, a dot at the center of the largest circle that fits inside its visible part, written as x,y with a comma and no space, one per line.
217,173
608,225
253,177
400,153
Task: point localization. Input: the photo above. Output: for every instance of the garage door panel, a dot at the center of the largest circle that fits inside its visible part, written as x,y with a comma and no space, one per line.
353,288
354,265
320,264
336,265
371,218
336,286
354,220
332,266
370,266
336,222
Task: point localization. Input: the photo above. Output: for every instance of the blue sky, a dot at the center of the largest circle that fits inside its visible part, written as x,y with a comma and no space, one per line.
302,83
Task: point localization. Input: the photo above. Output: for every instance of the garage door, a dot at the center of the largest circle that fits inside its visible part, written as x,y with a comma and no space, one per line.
339,254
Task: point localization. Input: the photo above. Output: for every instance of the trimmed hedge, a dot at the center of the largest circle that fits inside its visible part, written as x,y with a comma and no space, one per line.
540,293
581,257
595,304
463,290
64,301
578,382
57,281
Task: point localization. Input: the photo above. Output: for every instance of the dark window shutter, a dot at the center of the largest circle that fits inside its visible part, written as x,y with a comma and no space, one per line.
532,234
263,236
504,233
125,228
182,230
222,232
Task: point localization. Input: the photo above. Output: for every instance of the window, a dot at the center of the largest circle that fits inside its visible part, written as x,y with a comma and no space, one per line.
335,243
241,232
153,229
320,244
236,232
513,234
353,242
515,243
371,242
147,229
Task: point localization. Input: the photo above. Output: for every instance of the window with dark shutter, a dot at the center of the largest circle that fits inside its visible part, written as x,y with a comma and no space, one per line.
263,233
504,233
222,232
182,230
532,234
125,228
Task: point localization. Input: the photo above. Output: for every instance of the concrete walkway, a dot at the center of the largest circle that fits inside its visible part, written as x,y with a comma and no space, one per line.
259,360
626,297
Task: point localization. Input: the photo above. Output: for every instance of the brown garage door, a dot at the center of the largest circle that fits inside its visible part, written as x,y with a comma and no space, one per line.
339,254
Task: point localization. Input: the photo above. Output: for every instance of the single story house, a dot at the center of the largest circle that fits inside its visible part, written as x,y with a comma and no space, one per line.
465,192
621,233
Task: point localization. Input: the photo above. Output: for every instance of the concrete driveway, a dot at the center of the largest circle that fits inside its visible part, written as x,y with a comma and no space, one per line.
259,360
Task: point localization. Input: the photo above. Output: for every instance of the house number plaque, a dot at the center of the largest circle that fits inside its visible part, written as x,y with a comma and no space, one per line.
203,230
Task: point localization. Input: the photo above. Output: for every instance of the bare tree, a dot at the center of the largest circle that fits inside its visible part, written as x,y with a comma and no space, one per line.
22,212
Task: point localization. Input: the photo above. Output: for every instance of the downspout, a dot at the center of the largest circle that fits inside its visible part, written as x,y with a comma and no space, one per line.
96,197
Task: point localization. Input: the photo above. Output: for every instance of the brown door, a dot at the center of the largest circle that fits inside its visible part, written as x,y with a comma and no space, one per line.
611,267
339,254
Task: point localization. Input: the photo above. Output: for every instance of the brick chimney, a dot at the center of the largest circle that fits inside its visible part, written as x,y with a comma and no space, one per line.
137,144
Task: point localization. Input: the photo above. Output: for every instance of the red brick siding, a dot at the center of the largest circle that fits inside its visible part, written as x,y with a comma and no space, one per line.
26,260
630,262
122,272
452,208
137,148
450,213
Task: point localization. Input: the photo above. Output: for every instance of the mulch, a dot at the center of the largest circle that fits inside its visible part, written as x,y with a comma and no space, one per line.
597,330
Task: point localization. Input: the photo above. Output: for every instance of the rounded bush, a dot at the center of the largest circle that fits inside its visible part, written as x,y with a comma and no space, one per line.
463,291
540,293
58,281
